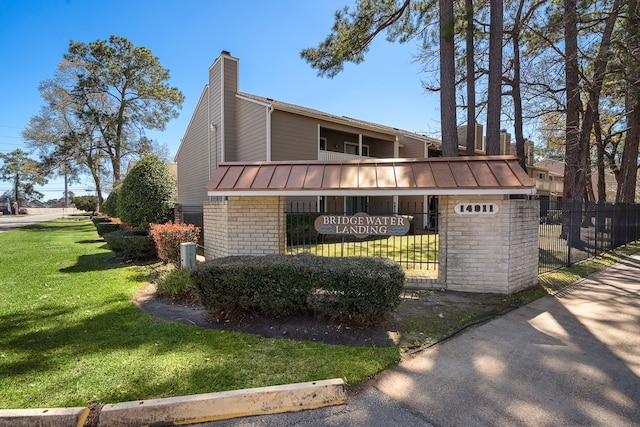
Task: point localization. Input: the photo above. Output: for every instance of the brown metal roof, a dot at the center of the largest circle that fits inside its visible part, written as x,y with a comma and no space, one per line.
439,175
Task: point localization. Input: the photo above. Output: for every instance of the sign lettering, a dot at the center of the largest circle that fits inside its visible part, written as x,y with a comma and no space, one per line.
476,209
362,225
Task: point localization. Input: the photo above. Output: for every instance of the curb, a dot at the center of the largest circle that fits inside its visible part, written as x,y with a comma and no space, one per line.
191,409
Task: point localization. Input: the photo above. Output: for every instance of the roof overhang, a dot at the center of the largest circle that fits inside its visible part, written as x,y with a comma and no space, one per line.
498,175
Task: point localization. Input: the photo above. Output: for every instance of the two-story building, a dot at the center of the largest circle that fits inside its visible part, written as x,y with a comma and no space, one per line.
231,126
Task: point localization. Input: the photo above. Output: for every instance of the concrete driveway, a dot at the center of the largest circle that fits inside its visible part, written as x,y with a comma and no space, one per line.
9,222
568,360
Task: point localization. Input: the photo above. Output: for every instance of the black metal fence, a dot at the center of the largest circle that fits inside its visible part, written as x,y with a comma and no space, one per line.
416,250
572,231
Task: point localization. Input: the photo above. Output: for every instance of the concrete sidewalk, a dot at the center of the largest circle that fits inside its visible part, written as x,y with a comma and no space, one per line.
572,359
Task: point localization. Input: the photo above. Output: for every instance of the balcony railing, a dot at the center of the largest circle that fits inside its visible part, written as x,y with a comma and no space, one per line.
334,155
546,185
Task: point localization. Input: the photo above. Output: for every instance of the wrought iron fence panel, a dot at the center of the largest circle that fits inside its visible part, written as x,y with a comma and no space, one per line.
415,250
573,231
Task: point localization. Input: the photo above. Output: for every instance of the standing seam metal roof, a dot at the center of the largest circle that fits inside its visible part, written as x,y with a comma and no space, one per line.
452,175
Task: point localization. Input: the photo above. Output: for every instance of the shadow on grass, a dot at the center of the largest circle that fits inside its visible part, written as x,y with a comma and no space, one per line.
92,241
94,262
62,338
56,225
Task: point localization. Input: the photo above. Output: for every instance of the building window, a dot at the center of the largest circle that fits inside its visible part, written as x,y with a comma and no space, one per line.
353,148
323,144
541,175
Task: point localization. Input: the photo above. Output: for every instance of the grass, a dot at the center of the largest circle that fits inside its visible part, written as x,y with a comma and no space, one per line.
415,252
556,280
70,334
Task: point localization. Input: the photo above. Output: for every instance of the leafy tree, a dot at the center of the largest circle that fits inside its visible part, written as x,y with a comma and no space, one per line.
67,145
403,20
552,136
86,203
147,194
122,90
23,172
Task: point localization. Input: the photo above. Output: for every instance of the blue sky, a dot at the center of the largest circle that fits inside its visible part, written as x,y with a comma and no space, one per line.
187,35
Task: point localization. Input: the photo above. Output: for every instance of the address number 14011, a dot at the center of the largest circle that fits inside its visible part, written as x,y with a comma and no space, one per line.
476,208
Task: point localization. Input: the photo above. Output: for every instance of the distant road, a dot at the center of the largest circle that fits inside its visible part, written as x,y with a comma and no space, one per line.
9,222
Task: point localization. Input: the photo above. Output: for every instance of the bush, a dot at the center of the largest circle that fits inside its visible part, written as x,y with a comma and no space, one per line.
107,227
176,284
354,288
168,237
136,244
96,219
110,206
86,203
360,288
146,194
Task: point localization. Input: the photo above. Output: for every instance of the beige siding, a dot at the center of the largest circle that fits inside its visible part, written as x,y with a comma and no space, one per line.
215,111
252,131
193,157
229,99
293,137
411,148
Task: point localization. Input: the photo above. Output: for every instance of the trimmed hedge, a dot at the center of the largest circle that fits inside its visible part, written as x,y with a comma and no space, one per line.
107,227
363,289
131,244
97,219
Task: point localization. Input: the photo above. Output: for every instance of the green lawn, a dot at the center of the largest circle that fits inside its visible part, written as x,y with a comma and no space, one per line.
70,334
413,252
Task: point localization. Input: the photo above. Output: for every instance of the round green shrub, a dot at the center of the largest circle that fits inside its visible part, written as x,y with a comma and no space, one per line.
110,206
147,194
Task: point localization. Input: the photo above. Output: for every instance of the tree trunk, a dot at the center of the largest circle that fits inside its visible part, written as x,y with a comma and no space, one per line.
447,81
494,95
629,163
471,82
515,91
602,190
573,187
591,113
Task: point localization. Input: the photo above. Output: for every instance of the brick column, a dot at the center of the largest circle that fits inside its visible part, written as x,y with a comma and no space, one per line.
488,252
244,226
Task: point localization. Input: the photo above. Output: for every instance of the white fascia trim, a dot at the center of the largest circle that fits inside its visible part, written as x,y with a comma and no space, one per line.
269,110
339,120
424,192
255,101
